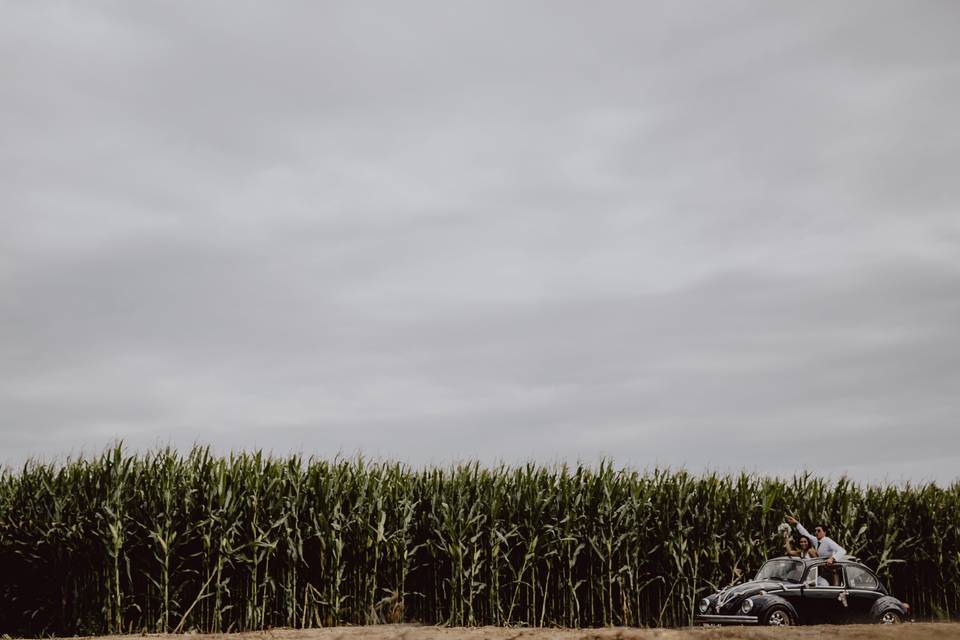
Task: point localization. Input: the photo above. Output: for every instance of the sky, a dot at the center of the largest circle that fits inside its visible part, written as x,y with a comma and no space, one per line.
718,236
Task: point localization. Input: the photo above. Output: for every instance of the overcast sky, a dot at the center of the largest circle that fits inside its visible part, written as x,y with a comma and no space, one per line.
718,235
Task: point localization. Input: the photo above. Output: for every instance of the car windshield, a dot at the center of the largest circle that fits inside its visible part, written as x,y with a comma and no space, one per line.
784,570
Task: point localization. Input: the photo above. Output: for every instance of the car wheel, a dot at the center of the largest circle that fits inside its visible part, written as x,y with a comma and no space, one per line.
890,617
777,617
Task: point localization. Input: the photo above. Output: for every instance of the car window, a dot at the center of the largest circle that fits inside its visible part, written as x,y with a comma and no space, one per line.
816,579
829,576
781,569
833,574
859,578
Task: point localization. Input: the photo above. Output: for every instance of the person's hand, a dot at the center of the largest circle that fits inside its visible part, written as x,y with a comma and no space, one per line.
791,520
830,560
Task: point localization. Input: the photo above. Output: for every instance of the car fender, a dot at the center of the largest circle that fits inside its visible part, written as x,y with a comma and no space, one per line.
885,603
763,603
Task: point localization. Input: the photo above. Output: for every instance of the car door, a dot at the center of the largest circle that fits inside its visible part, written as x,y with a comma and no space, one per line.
823,604
863,589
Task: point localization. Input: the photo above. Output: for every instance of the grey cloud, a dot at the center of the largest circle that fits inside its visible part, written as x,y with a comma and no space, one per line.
675,235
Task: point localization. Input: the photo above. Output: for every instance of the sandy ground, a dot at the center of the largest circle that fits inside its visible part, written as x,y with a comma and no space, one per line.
909,631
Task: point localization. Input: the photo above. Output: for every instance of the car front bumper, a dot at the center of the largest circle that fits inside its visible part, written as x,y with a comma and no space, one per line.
721,619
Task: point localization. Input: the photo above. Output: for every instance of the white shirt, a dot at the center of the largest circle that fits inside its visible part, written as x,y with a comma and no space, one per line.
826,547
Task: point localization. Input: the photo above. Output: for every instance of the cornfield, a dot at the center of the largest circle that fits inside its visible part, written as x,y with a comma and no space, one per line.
172,542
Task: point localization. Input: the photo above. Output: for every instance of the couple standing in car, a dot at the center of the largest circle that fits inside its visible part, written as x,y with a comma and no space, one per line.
820,546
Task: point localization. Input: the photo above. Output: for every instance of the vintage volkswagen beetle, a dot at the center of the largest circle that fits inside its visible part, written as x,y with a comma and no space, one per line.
789,591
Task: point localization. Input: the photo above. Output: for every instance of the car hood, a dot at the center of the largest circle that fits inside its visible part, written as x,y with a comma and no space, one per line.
752,588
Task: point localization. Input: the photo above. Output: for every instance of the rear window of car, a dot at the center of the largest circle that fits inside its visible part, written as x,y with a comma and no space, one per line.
858,578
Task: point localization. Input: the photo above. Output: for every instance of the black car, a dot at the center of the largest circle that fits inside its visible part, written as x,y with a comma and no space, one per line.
789,591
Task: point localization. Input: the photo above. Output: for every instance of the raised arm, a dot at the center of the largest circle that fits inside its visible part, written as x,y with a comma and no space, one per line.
788,546
803,531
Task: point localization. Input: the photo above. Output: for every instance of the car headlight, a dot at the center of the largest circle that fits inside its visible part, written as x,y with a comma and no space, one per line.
746,606
704,605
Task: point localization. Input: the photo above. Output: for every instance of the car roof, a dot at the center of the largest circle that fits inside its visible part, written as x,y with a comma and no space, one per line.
818,561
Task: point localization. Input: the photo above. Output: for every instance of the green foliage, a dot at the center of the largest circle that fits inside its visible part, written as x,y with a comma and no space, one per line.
170,542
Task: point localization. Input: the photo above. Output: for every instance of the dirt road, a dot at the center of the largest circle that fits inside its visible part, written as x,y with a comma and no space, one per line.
909,631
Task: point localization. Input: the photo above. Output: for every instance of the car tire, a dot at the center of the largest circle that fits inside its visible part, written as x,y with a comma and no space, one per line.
777,616
890,616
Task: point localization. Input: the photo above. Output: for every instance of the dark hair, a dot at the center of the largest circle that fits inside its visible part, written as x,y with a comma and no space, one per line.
825,528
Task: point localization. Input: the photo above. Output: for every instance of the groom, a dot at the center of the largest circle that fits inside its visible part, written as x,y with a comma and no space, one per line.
826,547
